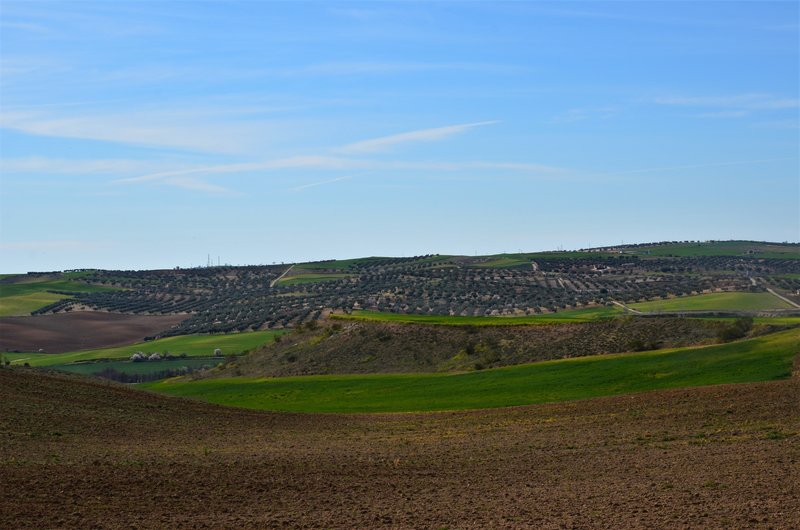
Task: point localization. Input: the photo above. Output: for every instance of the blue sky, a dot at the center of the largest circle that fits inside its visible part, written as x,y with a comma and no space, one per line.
150,134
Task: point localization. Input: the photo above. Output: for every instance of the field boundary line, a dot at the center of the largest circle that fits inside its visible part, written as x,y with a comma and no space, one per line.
626,308
276,280
784,298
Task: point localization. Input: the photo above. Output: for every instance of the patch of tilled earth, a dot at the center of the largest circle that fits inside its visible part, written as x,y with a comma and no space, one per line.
79,330
83,454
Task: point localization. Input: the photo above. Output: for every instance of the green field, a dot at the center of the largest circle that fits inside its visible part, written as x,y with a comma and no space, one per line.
575,315
722,248
336,264
129,367
21,298
301,279
735,301
341,264
23,304
192,345
507,261
760,359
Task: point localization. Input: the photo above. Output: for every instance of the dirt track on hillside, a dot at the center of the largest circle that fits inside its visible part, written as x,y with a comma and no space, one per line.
79,330
84,454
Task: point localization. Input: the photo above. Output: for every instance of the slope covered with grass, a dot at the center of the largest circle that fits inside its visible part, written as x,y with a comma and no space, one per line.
588,314
22,297
733,301
192,345
759,359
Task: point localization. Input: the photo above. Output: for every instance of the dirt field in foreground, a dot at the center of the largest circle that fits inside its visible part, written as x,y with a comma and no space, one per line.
80,330
85,454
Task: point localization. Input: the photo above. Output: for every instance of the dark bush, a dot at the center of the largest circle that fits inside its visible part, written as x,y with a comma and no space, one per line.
737,329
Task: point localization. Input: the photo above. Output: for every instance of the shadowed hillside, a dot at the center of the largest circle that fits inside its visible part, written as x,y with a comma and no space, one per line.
342,346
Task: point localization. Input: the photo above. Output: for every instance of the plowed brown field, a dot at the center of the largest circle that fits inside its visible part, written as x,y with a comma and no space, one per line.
84,454
79,330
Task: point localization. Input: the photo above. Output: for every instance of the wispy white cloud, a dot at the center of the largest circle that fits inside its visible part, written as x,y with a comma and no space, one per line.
475,165
339,163
184,177
69,166
13,68
724,114
777,124
320,162
388,67
177,178
313,184
747,102
423,135
151,128
24,26
193,184
691,166
585,113
62,104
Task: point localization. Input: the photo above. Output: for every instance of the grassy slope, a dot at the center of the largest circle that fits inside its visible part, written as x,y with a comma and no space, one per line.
23,304
759,359
137,368
342,264
576,315
312,278
192,345
723,248
21,288
23,297
716,301
508,260
336,264
524,259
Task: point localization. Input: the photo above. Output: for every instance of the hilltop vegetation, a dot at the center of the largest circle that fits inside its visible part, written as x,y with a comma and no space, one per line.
349,347
758,359
590,314
756,249
23,294
233,299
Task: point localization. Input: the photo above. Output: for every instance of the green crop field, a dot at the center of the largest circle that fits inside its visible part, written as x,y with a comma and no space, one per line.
342,264
336,264
129,367
21,288
760,359
21,298
312,278
192,345
23,304
723,248
736,301
508,261
576,315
